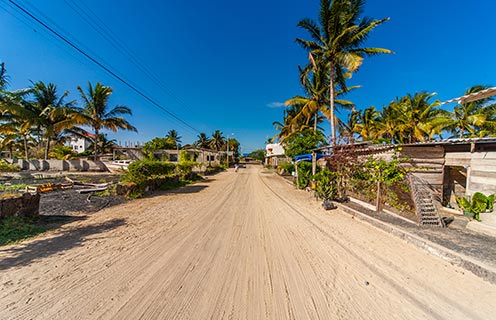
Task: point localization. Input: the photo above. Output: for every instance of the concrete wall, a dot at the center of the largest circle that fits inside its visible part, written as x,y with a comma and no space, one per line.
60,165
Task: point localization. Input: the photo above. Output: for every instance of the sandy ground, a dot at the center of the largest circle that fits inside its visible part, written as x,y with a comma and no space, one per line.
243,245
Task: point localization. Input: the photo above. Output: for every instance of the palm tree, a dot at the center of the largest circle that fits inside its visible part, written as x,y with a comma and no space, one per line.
4,79
54,115
203,141
217,142
349,128
314,84
414,115
469,118
19,117
367,125
173,138
336,44
97,115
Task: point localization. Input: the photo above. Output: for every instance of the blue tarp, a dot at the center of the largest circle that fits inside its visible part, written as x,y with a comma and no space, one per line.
307,157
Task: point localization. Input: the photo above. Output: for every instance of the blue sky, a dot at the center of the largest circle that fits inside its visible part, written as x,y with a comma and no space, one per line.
229,65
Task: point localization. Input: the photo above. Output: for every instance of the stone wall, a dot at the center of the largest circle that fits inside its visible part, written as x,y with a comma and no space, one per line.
26,205
59,165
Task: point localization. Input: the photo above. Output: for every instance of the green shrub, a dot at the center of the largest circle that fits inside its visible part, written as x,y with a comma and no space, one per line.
288,167
326,185
304,174
7,167
60,152
141,171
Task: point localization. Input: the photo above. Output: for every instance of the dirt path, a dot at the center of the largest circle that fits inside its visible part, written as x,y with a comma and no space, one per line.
242,246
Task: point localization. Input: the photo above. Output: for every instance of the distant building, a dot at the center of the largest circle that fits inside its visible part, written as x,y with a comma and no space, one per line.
274,154
81,144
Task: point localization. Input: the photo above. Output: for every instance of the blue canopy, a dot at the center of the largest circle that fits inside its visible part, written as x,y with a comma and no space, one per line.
307,157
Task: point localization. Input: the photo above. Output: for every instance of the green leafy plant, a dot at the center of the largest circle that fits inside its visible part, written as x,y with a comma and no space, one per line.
288,167
472,207
7,167
304,174
326,185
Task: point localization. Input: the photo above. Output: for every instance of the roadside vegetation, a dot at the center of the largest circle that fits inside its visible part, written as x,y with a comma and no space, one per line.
336,48
14,229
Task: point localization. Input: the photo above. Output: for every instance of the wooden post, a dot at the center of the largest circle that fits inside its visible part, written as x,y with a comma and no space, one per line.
296,175
378,200
314,163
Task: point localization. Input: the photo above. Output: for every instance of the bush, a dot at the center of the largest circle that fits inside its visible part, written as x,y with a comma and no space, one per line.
7,167
60,152
141,171
327,185
304,174
288,167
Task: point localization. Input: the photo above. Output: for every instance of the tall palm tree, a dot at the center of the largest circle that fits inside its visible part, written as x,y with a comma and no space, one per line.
54,115
218,141
337,43
97,115
314,84
173,138
203,141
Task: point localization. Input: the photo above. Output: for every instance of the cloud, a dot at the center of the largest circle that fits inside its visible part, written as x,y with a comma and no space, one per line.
275,105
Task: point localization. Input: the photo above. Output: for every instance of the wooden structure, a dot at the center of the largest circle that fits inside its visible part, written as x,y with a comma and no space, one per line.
449,167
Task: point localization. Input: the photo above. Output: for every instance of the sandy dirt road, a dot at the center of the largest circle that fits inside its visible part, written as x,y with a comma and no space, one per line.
242,245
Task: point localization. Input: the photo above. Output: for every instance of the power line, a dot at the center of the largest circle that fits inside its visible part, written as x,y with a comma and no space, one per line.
102,66
92,19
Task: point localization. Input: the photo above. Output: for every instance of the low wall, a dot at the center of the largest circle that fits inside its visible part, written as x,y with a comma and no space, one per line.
26,205
60,165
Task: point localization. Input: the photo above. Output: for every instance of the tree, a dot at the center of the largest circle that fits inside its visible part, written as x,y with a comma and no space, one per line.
303,142
4,78
218,141
97,115
336,44
471,119
158,144
203,141
174,138
54,115
367,126
257,154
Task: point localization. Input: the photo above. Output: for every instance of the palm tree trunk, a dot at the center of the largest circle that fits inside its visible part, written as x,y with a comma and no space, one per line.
315,121
95,142
331,105
25,147
47,149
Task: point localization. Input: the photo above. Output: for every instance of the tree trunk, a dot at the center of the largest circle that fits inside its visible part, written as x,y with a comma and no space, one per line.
331,105
315,121
47,149
25,147
95,142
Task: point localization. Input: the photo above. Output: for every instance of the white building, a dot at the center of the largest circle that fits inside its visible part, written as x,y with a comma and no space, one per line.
274,153
79,144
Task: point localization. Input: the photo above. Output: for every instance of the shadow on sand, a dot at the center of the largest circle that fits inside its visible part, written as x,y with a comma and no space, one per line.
25,253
